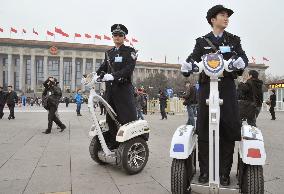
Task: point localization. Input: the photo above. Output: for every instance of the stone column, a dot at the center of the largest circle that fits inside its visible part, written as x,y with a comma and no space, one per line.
45,68
22,74
83,72
1,71
33,73
10,71
61,69
73,78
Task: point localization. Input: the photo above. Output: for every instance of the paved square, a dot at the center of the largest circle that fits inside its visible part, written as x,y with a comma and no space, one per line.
33,163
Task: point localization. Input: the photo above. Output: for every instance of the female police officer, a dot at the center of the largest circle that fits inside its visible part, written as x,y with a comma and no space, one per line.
118,65
230,126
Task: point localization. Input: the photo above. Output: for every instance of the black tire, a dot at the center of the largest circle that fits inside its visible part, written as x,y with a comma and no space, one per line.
253,182
94,148
124,155
182,172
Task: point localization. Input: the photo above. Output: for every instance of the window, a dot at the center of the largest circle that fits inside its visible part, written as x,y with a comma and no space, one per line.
5,72
53,68
28,73
17,74
78,74
67,74
89,66
39,74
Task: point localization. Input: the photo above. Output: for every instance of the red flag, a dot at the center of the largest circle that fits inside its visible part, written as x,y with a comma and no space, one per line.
59,31
49,33
65,34
98,37
106,37
126,40
13,30
265,59
1,30
35,32
77,35
88,36
24,31
134,40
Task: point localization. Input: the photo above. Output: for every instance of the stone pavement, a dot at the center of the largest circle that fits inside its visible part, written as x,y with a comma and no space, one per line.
33,163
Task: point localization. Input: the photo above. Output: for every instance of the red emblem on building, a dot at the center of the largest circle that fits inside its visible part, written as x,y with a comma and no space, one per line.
53,50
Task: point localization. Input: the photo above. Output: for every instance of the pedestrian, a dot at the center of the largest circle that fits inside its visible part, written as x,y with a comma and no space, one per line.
229,45
140,103
101,105
78,100
163,104
190,101
11,100
251,96
67,101
272,103
51,96
119,65
2,101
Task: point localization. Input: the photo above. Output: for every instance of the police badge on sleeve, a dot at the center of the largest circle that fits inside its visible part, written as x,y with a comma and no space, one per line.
134,55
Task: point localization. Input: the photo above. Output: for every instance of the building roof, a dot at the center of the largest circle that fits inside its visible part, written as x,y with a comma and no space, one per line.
48,44
158,65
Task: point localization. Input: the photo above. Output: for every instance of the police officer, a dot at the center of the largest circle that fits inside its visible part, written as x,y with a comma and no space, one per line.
230,126
11,100
51,95
118,65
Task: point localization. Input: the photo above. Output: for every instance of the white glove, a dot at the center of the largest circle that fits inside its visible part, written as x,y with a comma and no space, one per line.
186,67
108,77
239,63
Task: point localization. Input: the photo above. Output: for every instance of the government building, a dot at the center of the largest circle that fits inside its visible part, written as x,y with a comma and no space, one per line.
26,64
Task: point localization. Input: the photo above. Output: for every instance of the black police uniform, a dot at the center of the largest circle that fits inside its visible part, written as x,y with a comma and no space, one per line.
272,105
11,100
230,126
120,62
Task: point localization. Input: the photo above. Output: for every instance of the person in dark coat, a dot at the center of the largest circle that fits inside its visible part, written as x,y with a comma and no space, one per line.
102,107
230,125
190,102
11,100
163,104
2,101
272,99
117,70
51,96
67,101
251,97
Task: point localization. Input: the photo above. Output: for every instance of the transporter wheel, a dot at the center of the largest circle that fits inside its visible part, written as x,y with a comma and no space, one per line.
182,172
94,148
252,179
134,155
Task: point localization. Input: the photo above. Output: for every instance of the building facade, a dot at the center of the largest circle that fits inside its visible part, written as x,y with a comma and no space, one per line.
26,64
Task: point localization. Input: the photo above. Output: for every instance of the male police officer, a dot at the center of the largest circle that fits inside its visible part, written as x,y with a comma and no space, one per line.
230,126
118,65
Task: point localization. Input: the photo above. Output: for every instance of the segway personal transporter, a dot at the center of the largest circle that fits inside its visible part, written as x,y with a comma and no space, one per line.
132,153
251,153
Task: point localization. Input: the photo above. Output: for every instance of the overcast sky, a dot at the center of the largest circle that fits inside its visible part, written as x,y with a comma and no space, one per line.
162,27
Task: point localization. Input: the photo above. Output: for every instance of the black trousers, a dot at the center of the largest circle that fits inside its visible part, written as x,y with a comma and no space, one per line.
272,112
1,110
52,117
163,111
11,108
103,109
226,153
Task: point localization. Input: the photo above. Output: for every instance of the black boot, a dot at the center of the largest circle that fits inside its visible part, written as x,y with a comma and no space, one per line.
203,178
47,131
225,180
62,128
